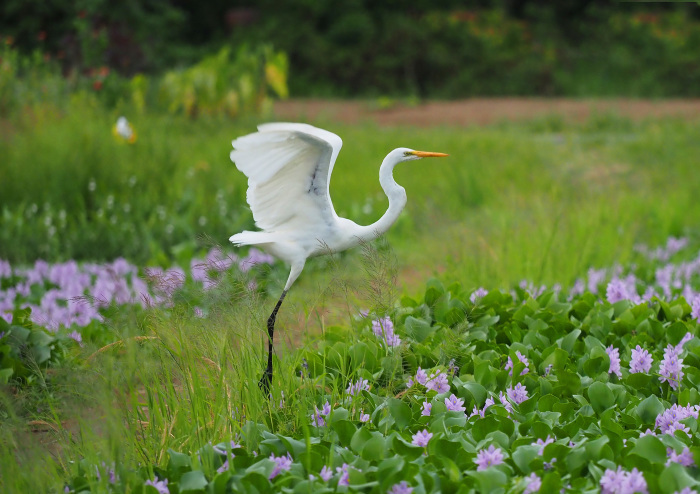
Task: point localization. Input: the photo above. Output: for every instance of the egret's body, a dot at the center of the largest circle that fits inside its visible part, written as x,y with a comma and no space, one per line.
289,167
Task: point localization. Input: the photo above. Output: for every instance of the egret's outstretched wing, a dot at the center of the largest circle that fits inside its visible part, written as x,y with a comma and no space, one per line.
289,168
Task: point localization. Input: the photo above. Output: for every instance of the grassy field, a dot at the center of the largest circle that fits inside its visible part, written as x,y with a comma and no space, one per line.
541,201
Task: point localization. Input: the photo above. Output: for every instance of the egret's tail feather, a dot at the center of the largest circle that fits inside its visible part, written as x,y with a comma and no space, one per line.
249,238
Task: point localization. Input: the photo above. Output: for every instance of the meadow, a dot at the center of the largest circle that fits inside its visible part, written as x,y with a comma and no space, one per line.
488,344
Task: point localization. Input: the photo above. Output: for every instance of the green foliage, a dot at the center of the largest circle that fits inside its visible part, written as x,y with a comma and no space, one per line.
385,49
27,81
127,37
577,421
220,86
450,52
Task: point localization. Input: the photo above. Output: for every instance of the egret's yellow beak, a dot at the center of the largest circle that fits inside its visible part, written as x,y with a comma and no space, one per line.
428,154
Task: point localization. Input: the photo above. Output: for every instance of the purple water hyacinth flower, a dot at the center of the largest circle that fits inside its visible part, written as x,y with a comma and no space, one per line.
364,417
648,294
109,469
254,258
548,369
533,484
454,404
5,269
685,457
478,294
641,360
317,418
384,328
636,482
686,490
504,401
326,473
671,367
199,270
531,289
612,480
668,421
421,376
421,438
673,246
614,355
452,367
427,408
74,335
622,482
486,458
222,449
578,288
695,313
686,338
344,472
616,291
210,284
438,383
198,312
489,401
160,485
224,466
359,385
23,289
282,463
523,359
218,261
400,488
543,443
517,394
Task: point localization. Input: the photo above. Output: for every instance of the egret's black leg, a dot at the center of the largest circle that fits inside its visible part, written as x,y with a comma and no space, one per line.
266,379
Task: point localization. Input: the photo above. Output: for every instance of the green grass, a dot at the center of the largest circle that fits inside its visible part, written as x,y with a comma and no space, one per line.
541,200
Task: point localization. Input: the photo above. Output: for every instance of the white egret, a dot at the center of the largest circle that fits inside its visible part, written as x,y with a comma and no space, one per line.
289,167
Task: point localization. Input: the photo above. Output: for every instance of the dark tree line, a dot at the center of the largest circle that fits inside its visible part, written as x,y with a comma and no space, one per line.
362,47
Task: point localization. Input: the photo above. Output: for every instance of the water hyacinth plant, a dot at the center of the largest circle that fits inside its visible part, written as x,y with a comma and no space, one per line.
608,401
71,295
46,307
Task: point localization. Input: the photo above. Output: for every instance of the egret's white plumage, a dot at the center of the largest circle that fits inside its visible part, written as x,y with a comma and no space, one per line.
289,168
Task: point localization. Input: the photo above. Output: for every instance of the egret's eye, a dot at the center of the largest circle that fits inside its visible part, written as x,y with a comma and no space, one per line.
407,153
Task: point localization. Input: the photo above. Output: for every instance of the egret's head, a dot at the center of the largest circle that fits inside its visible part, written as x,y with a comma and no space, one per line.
405,154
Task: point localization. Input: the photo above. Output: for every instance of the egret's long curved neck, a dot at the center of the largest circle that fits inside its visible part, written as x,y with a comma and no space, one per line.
397,201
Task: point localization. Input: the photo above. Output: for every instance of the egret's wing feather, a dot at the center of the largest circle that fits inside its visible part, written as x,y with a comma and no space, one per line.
288,168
